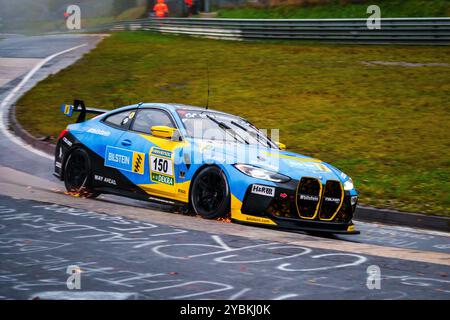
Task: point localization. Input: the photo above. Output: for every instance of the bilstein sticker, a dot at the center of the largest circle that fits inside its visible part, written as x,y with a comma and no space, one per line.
263,190
123,159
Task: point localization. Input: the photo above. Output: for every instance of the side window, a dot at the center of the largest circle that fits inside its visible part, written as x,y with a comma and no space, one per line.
147,118
121,120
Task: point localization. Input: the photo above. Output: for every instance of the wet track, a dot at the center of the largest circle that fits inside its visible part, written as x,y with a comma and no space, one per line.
136,250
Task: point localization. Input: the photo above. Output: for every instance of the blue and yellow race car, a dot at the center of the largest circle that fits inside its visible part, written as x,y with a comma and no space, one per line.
207,162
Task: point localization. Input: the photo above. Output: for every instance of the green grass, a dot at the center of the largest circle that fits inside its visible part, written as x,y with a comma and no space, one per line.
389,9
384,125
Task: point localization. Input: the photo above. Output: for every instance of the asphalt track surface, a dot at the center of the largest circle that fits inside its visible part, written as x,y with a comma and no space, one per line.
129,249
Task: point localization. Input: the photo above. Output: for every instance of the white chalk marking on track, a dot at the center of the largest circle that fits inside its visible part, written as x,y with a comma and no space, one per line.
286,296
239,294
11,95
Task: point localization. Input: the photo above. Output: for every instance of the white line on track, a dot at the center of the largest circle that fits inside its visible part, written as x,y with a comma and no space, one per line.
4,108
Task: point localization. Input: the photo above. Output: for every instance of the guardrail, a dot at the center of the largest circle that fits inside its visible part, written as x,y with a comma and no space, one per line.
433,31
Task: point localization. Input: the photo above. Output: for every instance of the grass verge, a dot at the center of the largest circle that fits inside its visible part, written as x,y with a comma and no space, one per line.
379,113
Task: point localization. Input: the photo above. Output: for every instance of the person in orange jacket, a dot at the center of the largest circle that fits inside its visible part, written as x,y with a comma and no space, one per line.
188,4
161,9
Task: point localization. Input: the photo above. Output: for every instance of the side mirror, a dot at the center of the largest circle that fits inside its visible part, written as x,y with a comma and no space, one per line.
162,131
280,145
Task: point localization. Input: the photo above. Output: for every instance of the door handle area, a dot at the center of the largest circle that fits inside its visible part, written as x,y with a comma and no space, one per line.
126,142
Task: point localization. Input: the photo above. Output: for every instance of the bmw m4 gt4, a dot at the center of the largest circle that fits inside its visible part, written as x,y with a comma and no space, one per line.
211,163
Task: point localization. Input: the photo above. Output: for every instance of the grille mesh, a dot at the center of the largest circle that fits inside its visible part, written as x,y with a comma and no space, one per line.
308,197
312,202
331,200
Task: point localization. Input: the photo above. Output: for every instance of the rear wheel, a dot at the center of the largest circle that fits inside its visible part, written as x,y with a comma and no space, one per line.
77,174
210,194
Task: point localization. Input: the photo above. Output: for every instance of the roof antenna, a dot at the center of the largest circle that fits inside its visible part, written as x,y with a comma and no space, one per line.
207,96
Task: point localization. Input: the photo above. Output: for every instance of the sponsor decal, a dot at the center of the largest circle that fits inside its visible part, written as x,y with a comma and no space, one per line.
308,197
156,177
99,132
330,199
283,195
308,166
161,200
258,220
191,115
67,109
161,152
123,159
263,190
161,166
138,162
67,141
105,180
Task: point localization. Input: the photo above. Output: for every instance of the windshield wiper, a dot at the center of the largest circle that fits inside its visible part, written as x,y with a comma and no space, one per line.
235,133
226,128
259,136
219,123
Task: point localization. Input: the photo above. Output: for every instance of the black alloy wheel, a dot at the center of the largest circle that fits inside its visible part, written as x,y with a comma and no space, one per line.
210,195
77,174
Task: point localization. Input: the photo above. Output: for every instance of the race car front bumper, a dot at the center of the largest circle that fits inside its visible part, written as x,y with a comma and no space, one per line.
306,205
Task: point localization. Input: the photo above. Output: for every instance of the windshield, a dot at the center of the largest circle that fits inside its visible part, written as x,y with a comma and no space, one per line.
211,125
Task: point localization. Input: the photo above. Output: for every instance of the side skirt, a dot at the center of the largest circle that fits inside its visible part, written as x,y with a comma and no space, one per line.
139,196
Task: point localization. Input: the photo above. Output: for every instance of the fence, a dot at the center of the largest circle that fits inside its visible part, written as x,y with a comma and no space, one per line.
432,31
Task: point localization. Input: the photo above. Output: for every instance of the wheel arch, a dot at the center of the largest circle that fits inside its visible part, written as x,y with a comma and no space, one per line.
203,166
198,170
74,147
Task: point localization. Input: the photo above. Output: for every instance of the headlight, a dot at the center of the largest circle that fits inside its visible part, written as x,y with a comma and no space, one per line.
348,185
260,173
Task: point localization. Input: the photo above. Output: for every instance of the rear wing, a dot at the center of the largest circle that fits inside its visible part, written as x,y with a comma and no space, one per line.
79,106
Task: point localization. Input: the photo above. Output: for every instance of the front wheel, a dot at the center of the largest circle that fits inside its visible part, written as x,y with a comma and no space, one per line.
77,174
210,195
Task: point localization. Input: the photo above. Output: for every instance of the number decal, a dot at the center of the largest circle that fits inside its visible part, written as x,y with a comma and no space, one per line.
161,166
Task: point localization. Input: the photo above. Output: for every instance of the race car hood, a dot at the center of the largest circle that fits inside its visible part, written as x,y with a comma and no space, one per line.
288,163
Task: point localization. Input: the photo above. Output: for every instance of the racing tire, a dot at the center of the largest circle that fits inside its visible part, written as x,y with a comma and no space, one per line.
77,174
210,194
